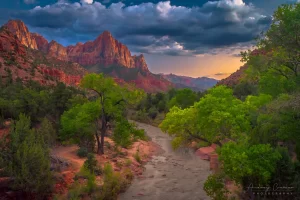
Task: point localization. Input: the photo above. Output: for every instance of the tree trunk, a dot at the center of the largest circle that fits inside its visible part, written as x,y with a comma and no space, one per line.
98,143
103,132
103,126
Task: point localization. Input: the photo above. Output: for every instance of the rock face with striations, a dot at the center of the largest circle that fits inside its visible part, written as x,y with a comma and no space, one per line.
21,31
18,62
58,51
104,54
41,42
106,51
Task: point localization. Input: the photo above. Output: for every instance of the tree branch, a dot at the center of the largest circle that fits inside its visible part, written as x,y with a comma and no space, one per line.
201,138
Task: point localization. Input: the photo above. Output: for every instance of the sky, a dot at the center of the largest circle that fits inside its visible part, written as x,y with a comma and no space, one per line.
185,37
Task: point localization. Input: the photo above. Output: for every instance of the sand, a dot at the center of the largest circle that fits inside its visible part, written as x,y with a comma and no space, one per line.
170,175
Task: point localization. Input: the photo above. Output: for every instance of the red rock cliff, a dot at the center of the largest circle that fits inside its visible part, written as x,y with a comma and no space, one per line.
58,51
103,51
42,43
21,31
106,51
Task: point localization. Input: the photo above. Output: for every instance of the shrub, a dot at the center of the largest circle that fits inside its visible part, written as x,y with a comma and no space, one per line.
215,188
152,112
91,179
75,191
92,165
122,133
141,116
114,184
127,173
82,152
26,159
137,157
48,132
128,162
126,132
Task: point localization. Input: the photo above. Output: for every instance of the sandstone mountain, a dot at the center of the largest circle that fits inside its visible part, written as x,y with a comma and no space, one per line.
197,84
104,54
18,61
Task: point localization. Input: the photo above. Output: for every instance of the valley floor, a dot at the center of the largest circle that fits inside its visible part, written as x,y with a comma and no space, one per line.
171,175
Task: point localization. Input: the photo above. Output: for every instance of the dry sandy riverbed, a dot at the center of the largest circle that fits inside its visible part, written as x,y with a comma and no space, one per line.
171,175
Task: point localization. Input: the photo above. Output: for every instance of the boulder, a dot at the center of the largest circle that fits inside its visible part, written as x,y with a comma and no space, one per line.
204,152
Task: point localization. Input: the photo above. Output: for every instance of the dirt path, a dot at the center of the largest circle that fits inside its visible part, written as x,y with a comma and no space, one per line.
172,175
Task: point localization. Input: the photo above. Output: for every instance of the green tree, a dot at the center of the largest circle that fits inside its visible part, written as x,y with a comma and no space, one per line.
48,132
26,159
275,62
247,164
217,116
111,99
92,117
183,98
125,133
91,163
79,124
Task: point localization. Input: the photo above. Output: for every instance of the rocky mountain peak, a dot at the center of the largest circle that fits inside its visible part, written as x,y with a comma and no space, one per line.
18,28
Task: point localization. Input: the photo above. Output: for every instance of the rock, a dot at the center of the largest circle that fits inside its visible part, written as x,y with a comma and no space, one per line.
57,51
152,176
204,152
164,175
21,31
214,162
41,42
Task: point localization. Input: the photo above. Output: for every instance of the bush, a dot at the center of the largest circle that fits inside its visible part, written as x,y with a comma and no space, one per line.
122,134
26,159
92,165
137,157
125,133
91,179
114,184
127,173
128,162
152,112
82,152
141,116
48,132
75,191
215,188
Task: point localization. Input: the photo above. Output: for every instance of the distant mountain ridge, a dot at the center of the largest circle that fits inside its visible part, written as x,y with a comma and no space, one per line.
197,84
104,54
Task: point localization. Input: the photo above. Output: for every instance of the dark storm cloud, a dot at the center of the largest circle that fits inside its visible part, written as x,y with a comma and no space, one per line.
161,27
29,1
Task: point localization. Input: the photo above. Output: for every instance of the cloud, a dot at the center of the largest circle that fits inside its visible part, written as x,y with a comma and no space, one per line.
157,28
29,1
221,74
86,1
